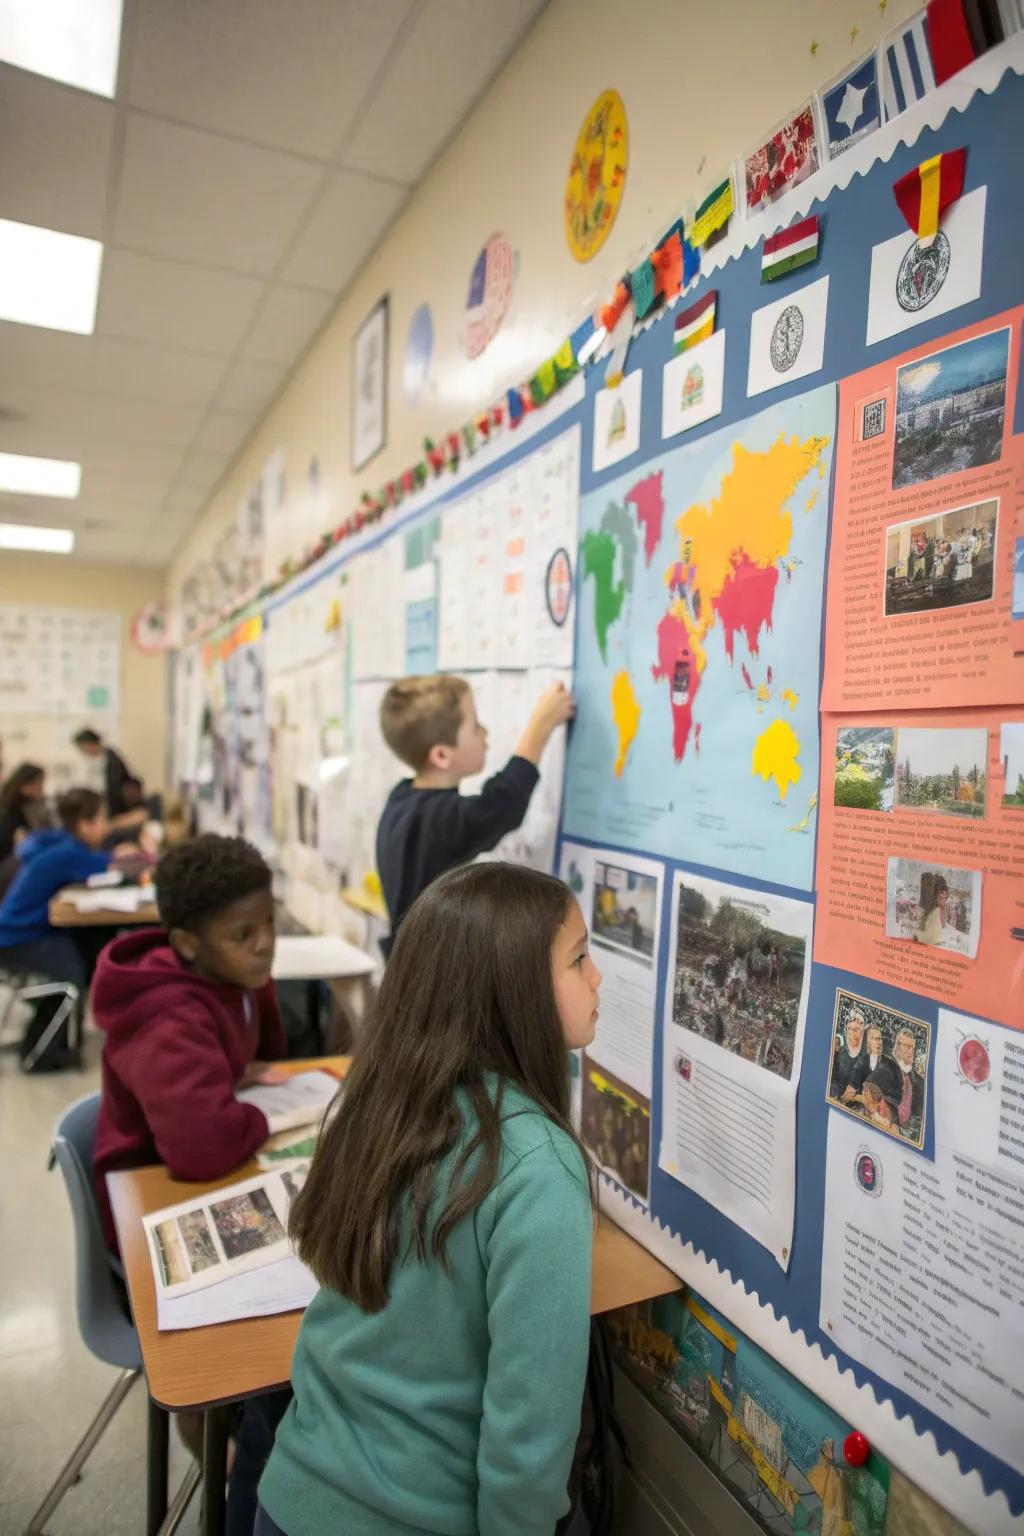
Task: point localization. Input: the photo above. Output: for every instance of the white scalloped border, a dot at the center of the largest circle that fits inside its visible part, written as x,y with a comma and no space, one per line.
984,75
916,1455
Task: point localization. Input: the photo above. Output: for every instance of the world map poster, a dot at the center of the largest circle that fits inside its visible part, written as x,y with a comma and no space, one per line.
698,653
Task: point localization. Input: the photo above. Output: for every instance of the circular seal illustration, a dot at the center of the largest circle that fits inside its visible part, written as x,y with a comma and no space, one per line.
597,176
973,1061
558,587
867,1171
922,273
787,338
490,293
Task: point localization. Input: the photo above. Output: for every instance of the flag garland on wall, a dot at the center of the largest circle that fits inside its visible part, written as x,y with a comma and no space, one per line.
946,36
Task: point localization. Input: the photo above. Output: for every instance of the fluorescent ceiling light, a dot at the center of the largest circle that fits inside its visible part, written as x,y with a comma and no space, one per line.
47,278
76,41
39,477
51,541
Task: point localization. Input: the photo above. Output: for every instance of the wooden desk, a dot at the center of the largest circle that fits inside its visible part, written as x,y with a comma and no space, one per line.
64,913
210,1367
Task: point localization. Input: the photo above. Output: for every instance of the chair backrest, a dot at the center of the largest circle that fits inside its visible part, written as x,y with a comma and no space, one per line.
105,1329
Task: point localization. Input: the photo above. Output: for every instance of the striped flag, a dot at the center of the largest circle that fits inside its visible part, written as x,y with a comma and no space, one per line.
907,73
696,323
789,249
714,213
924,194
949,38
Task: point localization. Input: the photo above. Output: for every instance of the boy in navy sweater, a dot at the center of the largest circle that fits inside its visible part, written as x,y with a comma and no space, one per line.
427,826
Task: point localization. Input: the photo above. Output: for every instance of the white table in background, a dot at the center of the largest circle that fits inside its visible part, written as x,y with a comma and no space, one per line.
323,957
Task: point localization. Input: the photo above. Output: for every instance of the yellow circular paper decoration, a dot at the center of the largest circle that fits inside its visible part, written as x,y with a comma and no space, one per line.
597,176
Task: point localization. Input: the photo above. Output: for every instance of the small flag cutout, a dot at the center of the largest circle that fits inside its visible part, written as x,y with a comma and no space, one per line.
789,249
949,38
924,194
696,323
714,214
906,67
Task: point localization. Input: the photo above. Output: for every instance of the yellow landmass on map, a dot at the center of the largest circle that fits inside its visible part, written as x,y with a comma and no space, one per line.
789,697
762,693
748,516
805,821
775,756
626,714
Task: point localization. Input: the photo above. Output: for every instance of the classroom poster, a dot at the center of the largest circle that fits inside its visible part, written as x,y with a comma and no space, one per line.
927,497
701,579
735,1010
920,861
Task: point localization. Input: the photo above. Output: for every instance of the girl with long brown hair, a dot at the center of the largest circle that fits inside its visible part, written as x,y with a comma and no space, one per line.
448,1216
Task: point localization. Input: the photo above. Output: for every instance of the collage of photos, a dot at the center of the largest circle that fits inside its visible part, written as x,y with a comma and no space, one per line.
242,1229
879,1067
946,560
615,1124
1011,751
625,914
940,770
740,972
950,409
933,904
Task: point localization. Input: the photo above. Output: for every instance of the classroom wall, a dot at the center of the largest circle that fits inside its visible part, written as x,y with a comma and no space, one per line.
701,84
52,581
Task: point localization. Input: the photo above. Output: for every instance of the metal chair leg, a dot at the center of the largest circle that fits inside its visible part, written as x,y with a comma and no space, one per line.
157,1453
83,1450
52,1029
182,1499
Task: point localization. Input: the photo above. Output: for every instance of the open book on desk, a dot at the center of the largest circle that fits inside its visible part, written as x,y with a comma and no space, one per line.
300,1100
284,1286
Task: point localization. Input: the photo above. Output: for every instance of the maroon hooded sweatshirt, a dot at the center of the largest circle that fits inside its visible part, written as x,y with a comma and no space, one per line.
176,1047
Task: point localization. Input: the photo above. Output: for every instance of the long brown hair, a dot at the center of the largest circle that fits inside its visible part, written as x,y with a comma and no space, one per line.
468,992
12,797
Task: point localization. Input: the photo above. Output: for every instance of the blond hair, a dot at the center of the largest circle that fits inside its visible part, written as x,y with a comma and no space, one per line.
422,712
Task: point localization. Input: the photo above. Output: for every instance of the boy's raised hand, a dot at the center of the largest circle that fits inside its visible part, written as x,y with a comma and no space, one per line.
555,706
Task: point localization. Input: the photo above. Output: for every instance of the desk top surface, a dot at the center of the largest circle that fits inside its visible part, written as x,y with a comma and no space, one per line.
64,913
318,957
197,1368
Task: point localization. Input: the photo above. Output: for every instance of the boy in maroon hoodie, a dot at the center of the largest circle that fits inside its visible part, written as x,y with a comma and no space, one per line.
190,1015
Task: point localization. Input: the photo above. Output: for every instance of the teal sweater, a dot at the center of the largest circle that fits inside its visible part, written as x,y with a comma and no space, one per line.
456,1409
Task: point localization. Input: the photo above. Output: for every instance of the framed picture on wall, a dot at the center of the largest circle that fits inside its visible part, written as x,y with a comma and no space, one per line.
370,386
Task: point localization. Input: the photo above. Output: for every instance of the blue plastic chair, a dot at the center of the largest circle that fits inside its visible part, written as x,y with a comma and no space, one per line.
106,1330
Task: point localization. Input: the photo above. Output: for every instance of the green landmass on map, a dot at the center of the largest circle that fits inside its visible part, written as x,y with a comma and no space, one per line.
615,536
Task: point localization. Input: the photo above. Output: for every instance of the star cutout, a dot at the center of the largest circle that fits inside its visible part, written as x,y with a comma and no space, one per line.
814,49
851,106
882,7
854,34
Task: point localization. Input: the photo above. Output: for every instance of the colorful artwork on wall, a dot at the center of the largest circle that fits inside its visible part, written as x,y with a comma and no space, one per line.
597,176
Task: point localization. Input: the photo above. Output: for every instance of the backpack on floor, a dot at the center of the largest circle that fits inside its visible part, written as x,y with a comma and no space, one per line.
592,1483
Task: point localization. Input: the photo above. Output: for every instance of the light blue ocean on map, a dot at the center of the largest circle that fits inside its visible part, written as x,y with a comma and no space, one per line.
708,808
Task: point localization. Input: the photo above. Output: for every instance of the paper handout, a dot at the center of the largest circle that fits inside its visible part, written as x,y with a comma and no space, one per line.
300,1101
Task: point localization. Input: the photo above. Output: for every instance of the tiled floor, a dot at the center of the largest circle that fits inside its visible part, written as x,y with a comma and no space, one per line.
50,1386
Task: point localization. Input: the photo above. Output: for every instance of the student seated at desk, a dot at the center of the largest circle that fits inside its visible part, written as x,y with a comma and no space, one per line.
22,806
190,1014
439,1373
48,861
427,826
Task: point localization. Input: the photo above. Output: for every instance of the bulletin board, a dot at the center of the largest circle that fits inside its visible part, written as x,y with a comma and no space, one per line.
60,669
791,805
791,560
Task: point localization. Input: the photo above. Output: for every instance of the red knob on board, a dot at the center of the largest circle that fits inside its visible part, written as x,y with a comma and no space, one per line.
856,1449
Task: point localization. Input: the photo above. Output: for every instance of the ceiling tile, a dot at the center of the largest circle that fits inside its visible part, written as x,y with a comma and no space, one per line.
286,323
30,354
250,386
202,468
291,73
350,216
155,373
209,199
225,430
173,303
112,419
183,503
56,154
447,58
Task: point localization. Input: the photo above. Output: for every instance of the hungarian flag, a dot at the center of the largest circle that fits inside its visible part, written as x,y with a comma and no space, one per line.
789,249
696,323
924,194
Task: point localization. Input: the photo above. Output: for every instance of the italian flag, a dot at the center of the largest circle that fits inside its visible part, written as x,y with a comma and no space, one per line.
696,323
789,249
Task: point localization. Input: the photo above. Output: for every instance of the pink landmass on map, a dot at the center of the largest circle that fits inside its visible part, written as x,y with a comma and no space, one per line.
746,601
649,506
673,649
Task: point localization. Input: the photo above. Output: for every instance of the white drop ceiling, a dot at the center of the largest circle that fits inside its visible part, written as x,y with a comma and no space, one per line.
254,155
